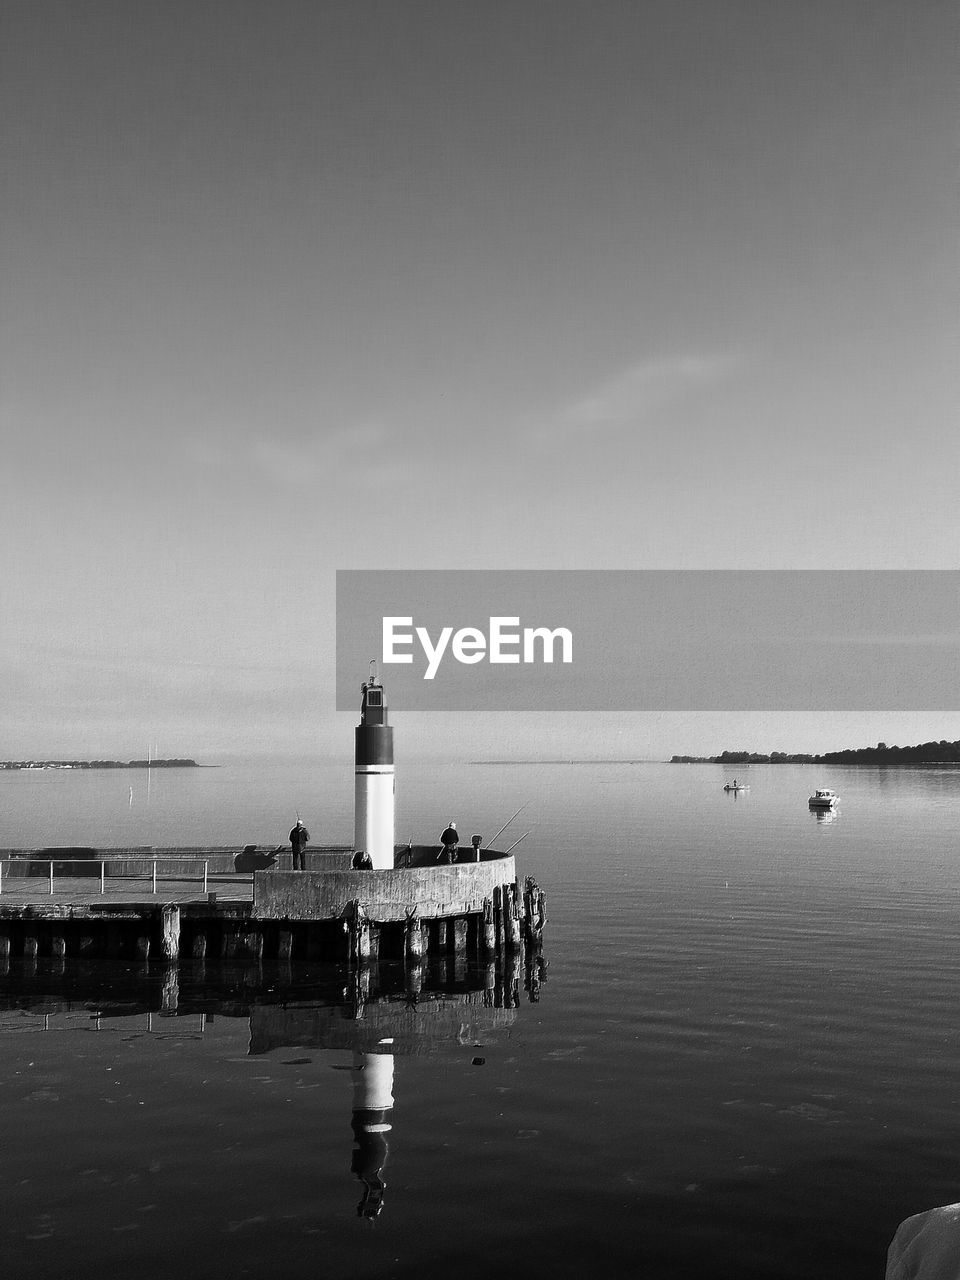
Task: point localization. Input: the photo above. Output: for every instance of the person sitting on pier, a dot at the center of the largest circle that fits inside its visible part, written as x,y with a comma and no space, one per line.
450,840
362,861
299,836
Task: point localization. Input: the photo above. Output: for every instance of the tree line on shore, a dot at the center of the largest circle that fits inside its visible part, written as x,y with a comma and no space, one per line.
941,752
99,764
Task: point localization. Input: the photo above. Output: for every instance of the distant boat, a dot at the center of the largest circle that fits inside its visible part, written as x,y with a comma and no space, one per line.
823,798
736,786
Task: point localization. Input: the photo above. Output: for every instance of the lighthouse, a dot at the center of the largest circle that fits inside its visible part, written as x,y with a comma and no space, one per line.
374,787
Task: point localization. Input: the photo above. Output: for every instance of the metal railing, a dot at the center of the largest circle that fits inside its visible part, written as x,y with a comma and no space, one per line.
150,870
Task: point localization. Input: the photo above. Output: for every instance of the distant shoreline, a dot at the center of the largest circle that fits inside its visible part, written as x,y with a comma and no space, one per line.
98,764
924,753
941,752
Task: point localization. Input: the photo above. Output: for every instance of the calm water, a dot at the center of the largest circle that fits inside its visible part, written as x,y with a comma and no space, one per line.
745,1060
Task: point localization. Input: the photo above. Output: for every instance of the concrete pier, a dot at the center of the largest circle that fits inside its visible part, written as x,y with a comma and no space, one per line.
412,914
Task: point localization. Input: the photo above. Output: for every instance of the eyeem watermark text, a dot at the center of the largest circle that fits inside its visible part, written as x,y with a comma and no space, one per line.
653,640
504,643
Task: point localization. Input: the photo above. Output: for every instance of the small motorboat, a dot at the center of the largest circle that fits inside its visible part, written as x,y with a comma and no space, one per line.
736,786
823,798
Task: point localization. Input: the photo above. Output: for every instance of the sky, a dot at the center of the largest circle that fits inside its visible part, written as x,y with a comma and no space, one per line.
300,286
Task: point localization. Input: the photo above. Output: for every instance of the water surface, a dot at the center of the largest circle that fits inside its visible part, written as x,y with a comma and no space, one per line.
743,1062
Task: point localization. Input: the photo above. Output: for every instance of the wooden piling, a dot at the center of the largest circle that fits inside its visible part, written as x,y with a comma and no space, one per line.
251,943
143,947
31,944
511,981
459,930
199,948
443,937
534,974
170,922
285,946
460,926
534,911
361,935
488,930
498,915
5,945
511,924
415,942
58,946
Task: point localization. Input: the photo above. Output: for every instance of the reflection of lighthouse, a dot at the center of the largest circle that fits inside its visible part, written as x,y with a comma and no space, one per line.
372,1102
373,802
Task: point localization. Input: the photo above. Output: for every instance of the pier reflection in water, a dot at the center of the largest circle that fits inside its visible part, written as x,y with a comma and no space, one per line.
365,1021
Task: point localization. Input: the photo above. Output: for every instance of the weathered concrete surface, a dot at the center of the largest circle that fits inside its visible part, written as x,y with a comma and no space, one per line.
384,896
927,1246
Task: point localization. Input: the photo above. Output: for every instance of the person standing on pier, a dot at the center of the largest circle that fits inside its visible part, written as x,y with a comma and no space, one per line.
450,840
299,836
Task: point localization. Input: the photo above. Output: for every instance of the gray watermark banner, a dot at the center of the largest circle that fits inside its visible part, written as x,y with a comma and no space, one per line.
651,640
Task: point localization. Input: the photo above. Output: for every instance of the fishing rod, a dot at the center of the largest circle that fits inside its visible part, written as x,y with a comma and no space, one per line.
516,842
508,821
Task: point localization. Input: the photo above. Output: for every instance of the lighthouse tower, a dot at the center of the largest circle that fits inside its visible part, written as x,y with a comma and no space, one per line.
374,792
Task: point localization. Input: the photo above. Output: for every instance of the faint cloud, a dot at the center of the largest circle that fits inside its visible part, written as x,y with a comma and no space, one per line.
637,392
305,461
367,452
